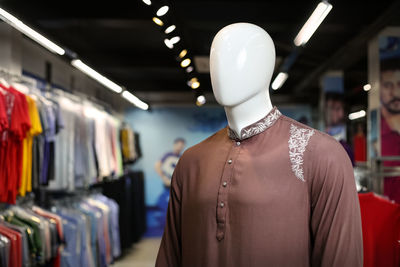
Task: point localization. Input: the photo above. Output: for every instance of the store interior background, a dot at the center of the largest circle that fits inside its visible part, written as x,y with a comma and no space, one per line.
120,40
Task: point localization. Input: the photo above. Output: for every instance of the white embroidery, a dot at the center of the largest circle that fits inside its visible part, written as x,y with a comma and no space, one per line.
298,141
262,125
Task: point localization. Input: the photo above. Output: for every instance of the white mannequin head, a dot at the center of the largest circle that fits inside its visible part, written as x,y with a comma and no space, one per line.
242,61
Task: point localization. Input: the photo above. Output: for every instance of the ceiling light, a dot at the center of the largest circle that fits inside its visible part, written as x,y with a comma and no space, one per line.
185,63
158,21
357,115
147,2
170,29
201,100
77,63
183,53
189,69
134,100
23,28
367,87
162,11
175,39
279,80
168,43
194,83
313,22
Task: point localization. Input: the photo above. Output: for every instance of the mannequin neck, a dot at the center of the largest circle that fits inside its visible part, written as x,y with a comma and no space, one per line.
248,112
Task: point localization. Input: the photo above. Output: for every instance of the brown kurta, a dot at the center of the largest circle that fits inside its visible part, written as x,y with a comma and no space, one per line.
281,194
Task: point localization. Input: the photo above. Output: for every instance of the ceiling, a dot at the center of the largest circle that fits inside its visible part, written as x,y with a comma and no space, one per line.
120,40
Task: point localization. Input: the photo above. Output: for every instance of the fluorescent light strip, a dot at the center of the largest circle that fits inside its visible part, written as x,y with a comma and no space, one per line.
313,22
77,63
134,100
23,28
357,115
279,80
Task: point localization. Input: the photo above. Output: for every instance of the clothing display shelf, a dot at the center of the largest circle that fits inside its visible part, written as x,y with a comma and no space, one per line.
379,170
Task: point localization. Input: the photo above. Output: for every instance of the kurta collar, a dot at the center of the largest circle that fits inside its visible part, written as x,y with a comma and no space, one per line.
257,127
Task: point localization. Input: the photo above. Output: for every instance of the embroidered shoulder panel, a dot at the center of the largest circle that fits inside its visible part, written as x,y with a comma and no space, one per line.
298,141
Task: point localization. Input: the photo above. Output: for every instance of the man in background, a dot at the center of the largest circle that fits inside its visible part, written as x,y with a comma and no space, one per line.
166,165
390,121
165,168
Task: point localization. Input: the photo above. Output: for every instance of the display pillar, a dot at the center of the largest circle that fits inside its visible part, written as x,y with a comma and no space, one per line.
384,109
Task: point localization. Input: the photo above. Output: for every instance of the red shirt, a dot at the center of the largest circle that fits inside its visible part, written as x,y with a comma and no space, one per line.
3,114
11,149
381,231
360,148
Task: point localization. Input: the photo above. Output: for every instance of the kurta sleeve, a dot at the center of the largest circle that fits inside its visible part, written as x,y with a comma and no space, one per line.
169,254
335,211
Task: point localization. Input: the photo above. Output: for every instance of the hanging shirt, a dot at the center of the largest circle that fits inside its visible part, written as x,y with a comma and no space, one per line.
381,231
12,150
279,194
36,129
3,114
360,148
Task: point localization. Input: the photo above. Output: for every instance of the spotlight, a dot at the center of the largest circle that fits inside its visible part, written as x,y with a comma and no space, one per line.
158,21
170,29
183,53
162,11
194,83
175,39
168,43
185,63
147,2
367,87
189,69
201,100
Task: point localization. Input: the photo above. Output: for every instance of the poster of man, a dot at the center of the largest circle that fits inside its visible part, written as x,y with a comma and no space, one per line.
165,168
390,110
335,116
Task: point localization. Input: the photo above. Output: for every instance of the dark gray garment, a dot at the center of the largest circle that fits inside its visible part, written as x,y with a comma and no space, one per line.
25,247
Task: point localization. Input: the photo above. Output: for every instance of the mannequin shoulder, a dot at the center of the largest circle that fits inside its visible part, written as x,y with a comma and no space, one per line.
205,147
317,144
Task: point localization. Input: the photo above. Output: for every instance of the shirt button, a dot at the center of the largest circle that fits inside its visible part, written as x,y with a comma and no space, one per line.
224,184
230,161
238,143
222,204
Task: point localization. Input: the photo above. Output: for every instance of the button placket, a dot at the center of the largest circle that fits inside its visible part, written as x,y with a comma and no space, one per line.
222,200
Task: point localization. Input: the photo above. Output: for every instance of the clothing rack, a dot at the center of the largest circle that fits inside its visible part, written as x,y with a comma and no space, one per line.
379,172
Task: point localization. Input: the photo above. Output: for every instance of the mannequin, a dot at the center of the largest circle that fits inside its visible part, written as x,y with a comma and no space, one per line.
242,61
266,190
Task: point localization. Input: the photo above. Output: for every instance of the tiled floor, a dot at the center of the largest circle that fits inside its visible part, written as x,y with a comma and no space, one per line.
143,254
